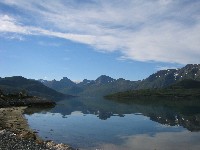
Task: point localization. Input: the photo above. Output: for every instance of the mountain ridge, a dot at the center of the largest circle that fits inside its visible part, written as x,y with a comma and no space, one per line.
186,88
32,87
104,85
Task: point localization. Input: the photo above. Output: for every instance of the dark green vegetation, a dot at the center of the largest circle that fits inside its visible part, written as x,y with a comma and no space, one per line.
31,87
22,99
182,89
186,84
105,85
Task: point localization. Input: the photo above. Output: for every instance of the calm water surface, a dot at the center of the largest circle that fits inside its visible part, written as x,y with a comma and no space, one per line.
96,123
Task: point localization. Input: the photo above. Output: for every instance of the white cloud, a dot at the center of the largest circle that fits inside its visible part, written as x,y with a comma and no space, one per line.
9,24
165,140
145,30
165,67
12,36
162,140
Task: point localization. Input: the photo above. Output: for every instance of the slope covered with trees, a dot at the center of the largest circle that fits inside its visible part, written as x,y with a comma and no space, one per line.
182,89
31,87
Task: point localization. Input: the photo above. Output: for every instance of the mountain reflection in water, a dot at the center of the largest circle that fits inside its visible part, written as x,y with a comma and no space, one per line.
174,113
90,123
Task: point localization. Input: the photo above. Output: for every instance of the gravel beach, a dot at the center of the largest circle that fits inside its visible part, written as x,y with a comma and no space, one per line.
11,141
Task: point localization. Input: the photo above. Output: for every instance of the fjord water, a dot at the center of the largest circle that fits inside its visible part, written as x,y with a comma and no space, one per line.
96,123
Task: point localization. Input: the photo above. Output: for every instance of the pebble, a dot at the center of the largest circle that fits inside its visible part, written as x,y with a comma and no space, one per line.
10,141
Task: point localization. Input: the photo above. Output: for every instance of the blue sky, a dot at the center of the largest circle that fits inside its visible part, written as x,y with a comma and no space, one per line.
79,39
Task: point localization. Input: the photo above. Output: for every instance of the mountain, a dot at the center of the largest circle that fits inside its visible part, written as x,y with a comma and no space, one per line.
58,85
65,86
103,79
99,87
186,84
182,89
165,78
104,85
17,84
86,82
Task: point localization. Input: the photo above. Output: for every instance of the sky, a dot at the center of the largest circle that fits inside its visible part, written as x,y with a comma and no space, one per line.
83,39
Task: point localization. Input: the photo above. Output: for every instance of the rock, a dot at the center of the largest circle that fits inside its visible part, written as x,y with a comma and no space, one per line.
2,132
9,140
61,146
28,135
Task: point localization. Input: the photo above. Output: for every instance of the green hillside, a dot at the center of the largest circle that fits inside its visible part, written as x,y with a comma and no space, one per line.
182,89
17,84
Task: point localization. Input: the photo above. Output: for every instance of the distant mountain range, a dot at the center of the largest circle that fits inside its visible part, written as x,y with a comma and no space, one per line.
18,84
104,85
99,87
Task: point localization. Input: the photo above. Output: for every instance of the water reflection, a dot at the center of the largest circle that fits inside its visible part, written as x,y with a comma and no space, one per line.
174,113
103,124
168,140
13,120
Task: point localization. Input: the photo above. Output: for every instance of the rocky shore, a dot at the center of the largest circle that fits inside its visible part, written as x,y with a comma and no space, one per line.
11,141
21,99
14,130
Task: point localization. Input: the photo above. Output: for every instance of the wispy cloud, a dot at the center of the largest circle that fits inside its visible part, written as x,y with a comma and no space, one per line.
145,30
10,25
123,58
12,36
166,67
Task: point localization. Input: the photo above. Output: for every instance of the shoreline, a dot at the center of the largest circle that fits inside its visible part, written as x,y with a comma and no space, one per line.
16,134
10,141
